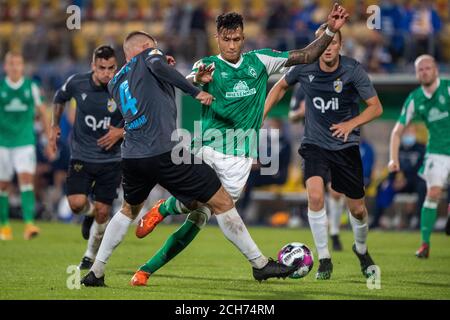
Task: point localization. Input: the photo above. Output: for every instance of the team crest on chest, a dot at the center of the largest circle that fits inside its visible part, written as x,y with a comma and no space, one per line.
337,85
112,106
441,99
252,72
27,94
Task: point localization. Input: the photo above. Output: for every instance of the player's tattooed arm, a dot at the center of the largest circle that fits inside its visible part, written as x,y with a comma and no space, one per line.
309,54
336,19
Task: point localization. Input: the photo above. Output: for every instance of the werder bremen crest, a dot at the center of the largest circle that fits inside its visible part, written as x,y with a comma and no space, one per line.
241,89
112,106
337,85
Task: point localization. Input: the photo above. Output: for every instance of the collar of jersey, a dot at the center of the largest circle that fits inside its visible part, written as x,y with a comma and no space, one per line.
14,85
429,96
236,65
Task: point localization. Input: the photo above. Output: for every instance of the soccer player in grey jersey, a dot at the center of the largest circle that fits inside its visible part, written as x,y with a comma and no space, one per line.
144,91
95,150
333,86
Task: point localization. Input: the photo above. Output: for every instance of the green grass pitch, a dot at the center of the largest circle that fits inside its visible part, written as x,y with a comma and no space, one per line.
211,268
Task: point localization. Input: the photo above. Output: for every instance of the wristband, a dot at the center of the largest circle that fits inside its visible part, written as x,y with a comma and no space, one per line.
329,32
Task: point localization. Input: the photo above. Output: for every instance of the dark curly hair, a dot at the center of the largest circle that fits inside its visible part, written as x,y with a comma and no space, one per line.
229,21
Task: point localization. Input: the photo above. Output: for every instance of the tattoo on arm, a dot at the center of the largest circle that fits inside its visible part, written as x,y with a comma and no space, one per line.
58,109
309,54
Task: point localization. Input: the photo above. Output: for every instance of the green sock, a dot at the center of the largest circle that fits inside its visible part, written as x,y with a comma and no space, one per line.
28,209
179,240
4,209
170,207
427,219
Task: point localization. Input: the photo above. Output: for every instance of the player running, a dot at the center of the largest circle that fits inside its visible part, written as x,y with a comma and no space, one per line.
238,82
95,149
19,99
429,103
332,87
144,90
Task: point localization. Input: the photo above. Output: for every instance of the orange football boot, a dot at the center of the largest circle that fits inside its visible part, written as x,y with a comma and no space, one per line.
139,279
150,220
6,233
31,231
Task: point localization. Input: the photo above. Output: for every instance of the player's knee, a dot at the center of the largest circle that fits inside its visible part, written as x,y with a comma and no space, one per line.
102,213
77,205
434,194
221,201
316,201
200,216
358,211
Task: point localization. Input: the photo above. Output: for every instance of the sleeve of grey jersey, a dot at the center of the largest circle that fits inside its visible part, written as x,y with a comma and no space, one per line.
363,84
157,64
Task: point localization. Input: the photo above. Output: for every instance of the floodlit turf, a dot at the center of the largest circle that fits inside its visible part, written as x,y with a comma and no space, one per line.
211,268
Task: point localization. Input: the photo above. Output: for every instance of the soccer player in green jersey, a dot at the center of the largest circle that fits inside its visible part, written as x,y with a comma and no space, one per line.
19,98
230,128
429,103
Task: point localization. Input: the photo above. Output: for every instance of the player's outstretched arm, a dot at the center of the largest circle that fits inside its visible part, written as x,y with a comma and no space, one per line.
275,95
336,19
394,145
167,73
374,110
42,109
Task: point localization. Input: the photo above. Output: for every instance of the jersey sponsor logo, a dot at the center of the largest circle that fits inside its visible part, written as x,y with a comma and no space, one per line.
252,72
323,105
436,115
311,78
112,106
337,85
240,90
92,123
16,106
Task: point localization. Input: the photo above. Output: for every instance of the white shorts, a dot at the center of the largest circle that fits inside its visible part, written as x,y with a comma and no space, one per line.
18,159
232,171
435,170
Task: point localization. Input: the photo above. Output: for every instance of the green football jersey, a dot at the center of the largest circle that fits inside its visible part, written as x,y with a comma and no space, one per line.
434,111
231,123
17,110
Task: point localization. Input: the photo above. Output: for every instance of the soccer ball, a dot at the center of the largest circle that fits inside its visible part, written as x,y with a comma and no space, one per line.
296,253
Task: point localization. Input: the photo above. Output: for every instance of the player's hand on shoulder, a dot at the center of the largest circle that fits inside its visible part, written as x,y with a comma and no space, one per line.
393,166
337,17
204,74
205,98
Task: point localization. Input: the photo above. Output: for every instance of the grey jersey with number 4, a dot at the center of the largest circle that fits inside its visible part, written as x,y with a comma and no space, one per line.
331,98
144,90
96,110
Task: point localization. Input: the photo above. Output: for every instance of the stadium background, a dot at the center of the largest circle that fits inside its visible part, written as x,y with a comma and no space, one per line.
185,29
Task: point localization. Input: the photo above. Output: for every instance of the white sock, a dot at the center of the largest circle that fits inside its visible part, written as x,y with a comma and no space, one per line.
235,231
360,231
115,232
88,209
319,227
335,208
95,239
